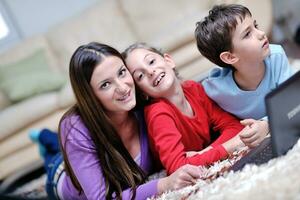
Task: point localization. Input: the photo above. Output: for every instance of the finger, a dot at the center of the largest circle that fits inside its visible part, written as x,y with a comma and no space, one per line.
254,144
248,133
246,122
181,184
250,139
245,129
193,171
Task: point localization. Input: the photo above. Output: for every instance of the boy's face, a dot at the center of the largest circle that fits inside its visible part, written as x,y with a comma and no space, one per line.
250,44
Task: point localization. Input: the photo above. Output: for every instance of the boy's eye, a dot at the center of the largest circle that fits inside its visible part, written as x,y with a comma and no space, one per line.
255,24
247,34
152,62
104,85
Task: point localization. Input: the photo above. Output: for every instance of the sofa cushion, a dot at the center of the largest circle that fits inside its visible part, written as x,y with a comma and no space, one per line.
28,47
26,112
28,77
4,101
169,25
66,96
103,22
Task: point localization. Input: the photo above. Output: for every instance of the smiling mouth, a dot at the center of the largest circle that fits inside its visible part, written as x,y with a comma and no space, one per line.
125,97
158,79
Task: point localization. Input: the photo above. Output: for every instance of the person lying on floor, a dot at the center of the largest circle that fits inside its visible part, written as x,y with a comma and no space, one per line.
103,138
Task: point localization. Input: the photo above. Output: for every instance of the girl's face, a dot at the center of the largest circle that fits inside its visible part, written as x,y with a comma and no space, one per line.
152,72
113,85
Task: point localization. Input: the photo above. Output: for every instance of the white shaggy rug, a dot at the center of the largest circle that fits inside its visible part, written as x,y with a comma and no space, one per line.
277,179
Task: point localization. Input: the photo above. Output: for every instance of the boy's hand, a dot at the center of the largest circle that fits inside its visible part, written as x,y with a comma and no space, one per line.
254,132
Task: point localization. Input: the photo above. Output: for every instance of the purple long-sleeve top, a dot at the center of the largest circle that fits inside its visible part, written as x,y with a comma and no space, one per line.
83,159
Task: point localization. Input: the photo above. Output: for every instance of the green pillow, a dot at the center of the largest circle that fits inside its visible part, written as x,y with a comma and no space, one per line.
29,77
35,62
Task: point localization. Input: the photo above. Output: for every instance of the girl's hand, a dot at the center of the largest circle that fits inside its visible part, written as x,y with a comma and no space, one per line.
193,153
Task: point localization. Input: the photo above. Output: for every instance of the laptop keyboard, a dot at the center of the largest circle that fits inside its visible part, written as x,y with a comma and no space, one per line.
262,157
259,155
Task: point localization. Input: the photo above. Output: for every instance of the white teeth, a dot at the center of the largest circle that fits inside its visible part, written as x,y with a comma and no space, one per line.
124,97
156,82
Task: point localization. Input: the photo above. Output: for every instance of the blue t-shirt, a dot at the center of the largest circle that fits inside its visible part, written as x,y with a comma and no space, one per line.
221,87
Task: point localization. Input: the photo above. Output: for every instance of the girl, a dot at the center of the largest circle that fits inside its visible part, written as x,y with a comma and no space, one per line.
180,117
103,142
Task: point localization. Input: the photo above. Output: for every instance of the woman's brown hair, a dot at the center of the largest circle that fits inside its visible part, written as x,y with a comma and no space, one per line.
118,167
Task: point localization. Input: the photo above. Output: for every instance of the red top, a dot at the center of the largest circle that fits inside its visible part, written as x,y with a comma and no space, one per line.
172,133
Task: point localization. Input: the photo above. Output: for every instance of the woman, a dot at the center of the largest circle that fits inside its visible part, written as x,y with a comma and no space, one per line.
104,143
180,117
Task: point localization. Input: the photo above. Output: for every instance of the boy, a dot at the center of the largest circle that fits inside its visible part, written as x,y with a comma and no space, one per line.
250,67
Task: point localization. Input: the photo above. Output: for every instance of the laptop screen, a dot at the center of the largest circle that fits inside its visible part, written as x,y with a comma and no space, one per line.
283,110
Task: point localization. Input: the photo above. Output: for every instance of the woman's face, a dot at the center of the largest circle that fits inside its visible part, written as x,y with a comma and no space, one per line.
152,72
113,85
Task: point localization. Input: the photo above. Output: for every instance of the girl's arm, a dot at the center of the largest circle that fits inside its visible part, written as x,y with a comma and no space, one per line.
227,125
166,141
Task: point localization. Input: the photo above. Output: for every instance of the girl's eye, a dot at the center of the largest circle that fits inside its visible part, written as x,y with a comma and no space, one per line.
256,25
122,72
104,85
139,76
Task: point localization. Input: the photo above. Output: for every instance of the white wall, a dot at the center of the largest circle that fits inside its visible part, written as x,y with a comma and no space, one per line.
32,17
287,19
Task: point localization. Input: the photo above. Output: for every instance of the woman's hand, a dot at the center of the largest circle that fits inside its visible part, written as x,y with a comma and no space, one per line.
255,132
183,176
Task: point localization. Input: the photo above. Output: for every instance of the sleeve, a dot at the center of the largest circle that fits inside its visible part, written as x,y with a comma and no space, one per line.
281,67
221,121
86,166
166,141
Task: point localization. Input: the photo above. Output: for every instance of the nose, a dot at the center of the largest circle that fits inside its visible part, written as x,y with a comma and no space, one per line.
261,34
150,72
121,87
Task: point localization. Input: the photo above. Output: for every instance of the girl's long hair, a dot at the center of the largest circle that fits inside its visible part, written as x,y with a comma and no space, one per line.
118,167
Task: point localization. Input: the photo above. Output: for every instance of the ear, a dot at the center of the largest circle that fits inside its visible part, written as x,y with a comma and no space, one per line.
169,60
229,58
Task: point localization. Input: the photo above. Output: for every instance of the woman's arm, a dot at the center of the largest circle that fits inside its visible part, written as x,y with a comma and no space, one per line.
87,169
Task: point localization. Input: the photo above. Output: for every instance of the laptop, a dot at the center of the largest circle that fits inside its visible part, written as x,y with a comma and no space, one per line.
283,111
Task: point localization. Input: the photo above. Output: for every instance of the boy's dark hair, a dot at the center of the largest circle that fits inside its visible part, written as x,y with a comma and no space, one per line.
214,33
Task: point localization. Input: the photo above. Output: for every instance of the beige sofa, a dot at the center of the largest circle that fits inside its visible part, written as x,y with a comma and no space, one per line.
165,24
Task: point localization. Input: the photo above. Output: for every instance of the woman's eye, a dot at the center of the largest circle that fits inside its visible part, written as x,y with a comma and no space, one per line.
104,85
256,25
122,72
